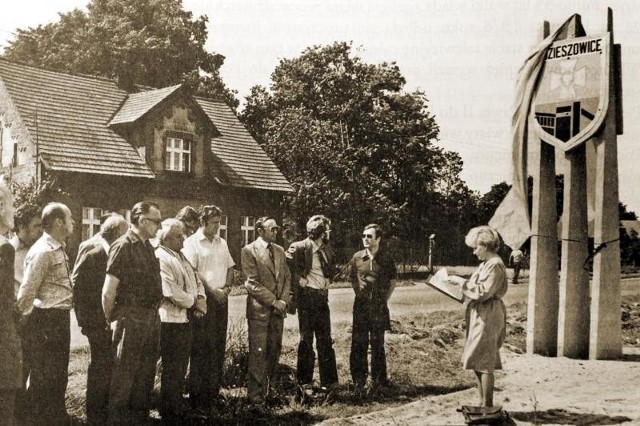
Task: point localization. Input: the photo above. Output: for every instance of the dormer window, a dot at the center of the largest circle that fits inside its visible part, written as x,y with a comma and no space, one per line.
178,155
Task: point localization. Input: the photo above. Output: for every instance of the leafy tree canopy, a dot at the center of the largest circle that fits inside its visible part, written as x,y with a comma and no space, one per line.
137,42
355,145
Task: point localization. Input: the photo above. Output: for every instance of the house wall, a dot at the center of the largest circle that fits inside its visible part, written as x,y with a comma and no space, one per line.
17,154
119,193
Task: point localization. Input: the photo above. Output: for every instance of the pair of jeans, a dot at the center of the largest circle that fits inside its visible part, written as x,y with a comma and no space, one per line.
315,320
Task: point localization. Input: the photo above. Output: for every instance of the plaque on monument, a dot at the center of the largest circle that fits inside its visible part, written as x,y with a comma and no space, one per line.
572,95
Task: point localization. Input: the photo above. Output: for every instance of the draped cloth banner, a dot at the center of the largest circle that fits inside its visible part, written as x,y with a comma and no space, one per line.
511,218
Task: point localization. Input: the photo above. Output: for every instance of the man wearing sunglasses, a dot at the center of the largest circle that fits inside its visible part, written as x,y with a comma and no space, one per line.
372,270
312,271
131,295
268,283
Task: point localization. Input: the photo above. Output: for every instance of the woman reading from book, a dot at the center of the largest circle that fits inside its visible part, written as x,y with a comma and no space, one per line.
486,313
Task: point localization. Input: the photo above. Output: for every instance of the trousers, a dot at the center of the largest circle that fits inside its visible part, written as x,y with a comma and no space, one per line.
48,344
175,348
98,374
314,320
265,345
136,343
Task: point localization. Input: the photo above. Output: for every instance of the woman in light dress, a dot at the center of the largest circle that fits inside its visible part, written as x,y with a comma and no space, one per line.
486,315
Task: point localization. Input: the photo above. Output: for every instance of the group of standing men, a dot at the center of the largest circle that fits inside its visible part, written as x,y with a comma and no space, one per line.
137,303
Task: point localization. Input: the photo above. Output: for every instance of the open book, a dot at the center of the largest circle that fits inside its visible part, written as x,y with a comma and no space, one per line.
440,281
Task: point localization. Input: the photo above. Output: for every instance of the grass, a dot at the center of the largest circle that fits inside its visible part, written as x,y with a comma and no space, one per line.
423,359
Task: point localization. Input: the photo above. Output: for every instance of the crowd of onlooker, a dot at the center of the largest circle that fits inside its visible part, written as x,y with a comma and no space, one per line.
150,289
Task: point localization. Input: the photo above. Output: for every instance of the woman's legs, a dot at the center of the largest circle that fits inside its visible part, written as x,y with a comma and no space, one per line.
485,387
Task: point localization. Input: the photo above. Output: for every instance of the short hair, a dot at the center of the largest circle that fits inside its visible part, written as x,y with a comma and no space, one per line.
260,222
485,236
188,214
167,226
316,225
51,212
110,227
141,208
25,214
376,228
107,215
207,212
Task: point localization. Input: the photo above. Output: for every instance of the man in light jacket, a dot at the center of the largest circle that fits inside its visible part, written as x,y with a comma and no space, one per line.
182,293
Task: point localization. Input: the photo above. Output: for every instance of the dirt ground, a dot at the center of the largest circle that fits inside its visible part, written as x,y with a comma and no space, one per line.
535,390
541,390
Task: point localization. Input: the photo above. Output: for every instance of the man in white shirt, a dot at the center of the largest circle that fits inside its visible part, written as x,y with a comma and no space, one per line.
209,255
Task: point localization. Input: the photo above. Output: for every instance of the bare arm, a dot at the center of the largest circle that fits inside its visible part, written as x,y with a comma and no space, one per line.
109,291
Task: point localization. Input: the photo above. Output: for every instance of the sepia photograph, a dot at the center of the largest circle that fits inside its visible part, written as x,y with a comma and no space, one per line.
336,212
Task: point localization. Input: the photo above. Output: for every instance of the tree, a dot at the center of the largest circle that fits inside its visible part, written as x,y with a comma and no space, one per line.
137,42
355,145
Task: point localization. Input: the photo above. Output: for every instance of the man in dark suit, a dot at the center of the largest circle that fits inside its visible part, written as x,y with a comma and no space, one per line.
268,283
311,263
90,243
87,297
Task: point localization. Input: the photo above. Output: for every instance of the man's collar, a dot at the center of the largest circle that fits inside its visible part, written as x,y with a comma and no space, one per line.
315,247
54,243
171,252
201,236
261,242
17,242
134,235
367,254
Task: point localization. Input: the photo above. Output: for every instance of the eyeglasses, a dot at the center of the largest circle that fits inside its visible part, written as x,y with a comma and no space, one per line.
156,222
367,236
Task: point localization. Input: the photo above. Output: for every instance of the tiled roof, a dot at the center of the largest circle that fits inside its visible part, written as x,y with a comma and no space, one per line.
138,104
74,112
67,115
244,162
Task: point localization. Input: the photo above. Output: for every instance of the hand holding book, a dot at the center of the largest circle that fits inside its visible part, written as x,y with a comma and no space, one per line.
450,285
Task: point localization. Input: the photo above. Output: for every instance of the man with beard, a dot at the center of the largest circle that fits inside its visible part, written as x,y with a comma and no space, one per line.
312,270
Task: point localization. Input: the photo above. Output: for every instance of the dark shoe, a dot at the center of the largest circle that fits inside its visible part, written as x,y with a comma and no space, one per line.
359,390
257,410
304,393
330,392
384,388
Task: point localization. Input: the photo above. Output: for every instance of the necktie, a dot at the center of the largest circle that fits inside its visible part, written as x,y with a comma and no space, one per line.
272,255
324,265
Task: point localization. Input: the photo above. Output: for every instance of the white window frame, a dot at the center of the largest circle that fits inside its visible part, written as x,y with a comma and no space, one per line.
178,155
248,230
224,224
90,221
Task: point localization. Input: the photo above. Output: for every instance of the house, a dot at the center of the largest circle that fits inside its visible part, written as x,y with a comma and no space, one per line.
108,149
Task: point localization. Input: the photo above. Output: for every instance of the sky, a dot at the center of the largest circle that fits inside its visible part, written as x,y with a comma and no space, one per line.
463,54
